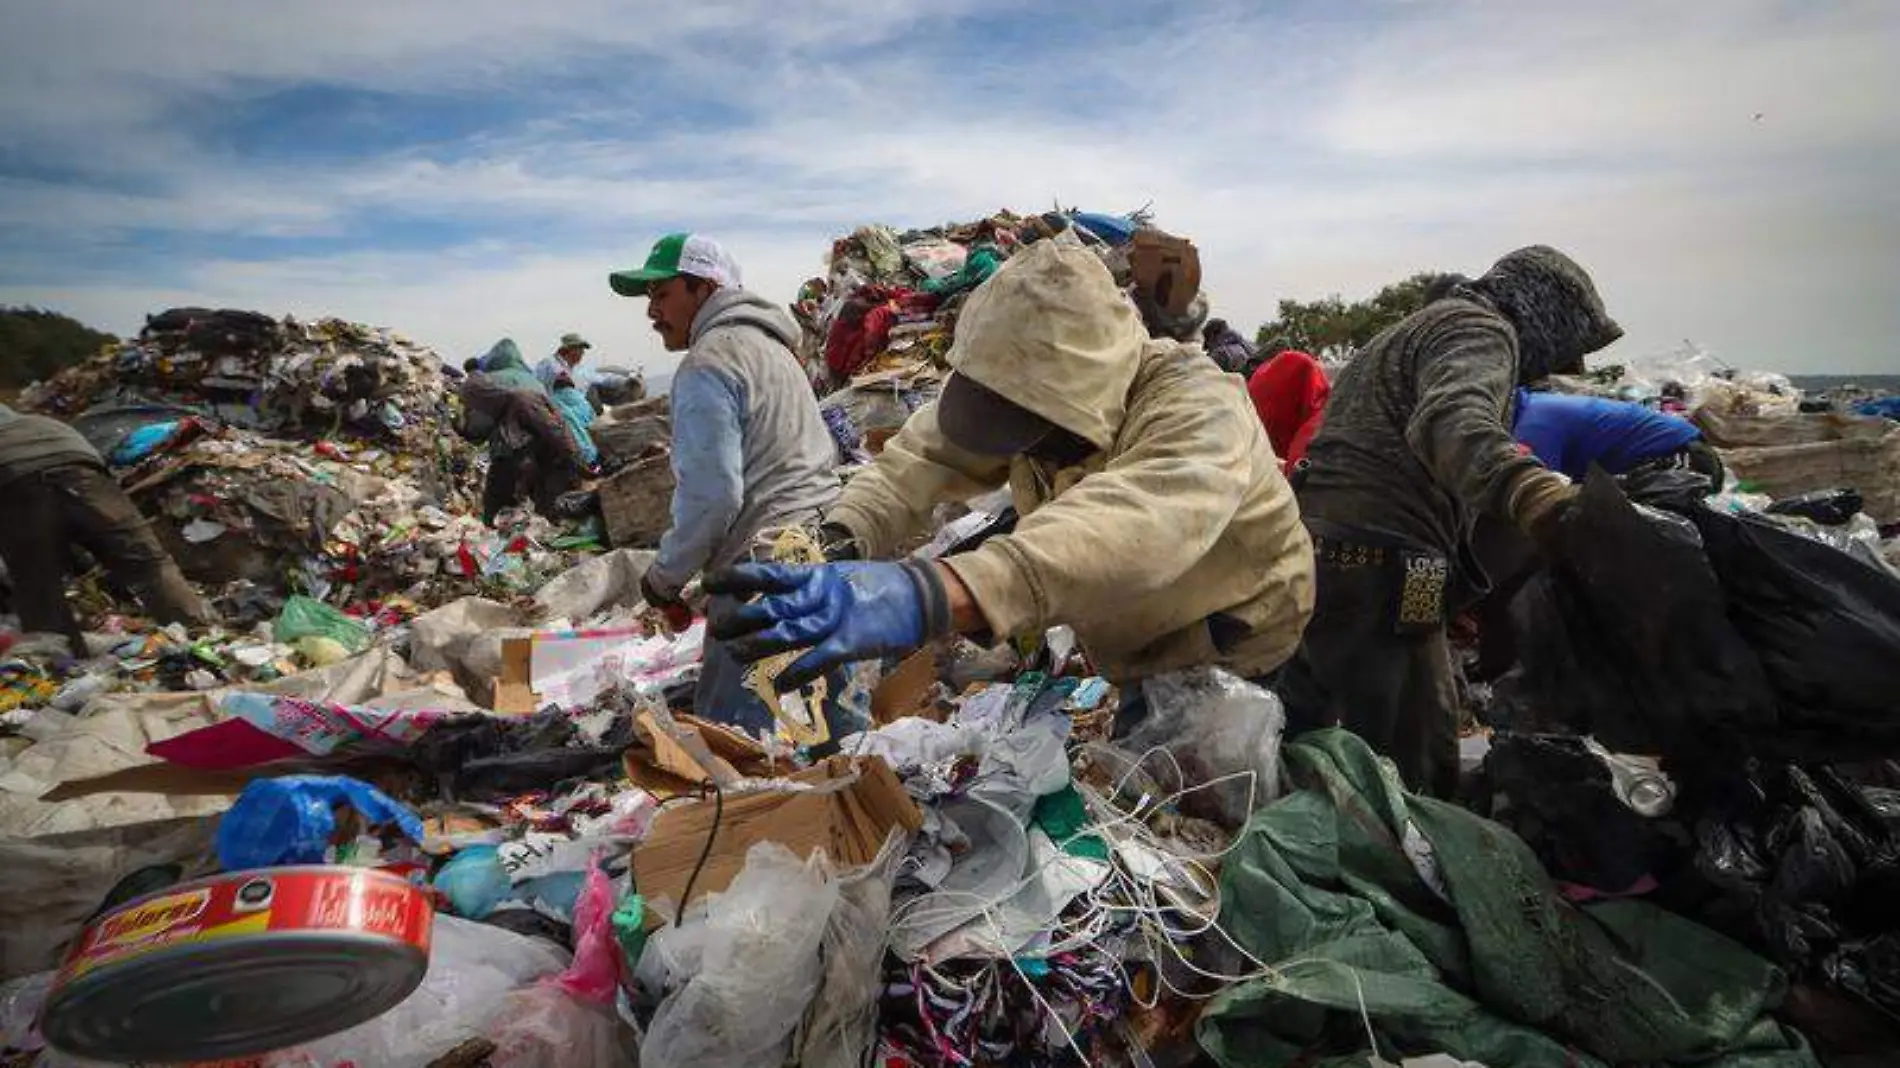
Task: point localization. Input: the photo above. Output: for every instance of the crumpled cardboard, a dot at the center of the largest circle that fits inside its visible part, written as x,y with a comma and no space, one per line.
844,807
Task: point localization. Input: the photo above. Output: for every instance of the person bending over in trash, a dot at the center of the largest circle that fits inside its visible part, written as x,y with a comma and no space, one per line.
1572,433
62,496
532,452
750,450
1416,445
1154,519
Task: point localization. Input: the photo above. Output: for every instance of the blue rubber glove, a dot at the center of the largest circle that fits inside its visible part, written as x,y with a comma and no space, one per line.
842,612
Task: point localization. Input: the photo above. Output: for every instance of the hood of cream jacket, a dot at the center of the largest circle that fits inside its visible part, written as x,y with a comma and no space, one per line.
1176,544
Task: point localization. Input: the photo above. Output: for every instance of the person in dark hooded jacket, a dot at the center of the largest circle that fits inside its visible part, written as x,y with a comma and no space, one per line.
1417,444
1227,348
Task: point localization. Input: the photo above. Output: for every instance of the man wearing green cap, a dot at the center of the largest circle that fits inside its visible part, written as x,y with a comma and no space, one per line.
750,451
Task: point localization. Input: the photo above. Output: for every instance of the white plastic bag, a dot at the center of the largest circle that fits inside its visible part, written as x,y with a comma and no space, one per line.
472,969
542,1027
841,1023
1212,725
20,1001
759,970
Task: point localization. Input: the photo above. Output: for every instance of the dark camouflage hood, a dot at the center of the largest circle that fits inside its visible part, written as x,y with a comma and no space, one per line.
1554,306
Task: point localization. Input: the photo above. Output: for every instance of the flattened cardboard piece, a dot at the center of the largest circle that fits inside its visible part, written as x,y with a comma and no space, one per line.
171,779
905,692
682,752
849,812
514,689
1167,269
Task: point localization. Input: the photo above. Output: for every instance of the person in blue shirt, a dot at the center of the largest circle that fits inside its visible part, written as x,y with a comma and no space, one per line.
1570,433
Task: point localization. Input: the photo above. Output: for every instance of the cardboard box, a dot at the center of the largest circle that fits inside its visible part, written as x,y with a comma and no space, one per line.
848,815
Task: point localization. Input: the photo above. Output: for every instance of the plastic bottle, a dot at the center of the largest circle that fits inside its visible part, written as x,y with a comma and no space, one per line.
1637,781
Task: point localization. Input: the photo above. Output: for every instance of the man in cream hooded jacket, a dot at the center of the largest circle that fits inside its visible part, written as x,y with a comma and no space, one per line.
1155,520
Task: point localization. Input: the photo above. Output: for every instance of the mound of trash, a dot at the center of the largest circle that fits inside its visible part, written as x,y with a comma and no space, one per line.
878,325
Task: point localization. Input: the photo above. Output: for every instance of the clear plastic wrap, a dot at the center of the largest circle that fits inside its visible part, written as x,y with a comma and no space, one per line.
473,968
759,971
841,1024
542,1027
1215,727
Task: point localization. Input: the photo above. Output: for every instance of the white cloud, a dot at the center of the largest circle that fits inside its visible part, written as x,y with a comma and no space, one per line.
1304,155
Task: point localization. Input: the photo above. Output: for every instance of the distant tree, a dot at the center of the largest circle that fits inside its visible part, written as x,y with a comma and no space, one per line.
36,344
1330,326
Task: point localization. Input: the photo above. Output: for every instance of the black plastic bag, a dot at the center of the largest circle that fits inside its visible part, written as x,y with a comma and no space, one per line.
1830,508
1870,969
1626,636
1807,858
1675,488
1826,629
1560,799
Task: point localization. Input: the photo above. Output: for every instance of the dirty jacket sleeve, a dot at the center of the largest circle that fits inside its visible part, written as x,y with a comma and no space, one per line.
1460,426
889,502
708,473
1122,534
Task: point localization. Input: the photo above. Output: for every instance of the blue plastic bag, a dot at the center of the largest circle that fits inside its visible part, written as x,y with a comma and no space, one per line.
474,881
143,442
290,820
1115,229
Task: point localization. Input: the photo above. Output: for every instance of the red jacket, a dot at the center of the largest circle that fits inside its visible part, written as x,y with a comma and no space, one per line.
1290,391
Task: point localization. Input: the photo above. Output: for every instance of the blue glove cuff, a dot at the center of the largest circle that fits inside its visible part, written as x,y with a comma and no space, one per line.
932,598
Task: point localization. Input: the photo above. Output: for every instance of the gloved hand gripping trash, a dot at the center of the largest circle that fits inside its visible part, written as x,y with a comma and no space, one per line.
842,612
1538,505
676,612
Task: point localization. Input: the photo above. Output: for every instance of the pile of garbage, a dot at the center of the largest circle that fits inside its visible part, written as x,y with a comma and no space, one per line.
877,326
435,797
241,368
1778,442
291,469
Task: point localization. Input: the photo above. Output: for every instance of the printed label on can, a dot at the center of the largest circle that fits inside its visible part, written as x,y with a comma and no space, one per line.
255,903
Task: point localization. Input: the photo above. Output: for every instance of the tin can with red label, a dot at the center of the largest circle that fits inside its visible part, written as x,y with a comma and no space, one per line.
239,964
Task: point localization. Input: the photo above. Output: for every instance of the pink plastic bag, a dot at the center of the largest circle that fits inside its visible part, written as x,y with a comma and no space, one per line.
594,976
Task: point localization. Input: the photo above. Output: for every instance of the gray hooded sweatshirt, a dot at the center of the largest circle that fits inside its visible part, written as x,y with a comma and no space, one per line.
33,443
1417,438
750,450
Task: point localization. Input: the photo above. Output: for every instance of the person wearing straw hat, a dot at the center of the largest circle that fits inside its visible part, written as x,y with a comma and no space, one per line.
565,363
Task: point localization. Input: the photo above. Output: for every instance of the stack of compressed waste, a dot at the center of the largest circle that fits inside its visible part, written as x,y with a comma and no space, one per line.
877,326
245,369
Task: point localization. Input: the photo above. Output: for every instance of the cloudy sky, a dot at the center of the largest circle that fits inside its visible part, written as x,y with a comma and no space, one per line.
1729,169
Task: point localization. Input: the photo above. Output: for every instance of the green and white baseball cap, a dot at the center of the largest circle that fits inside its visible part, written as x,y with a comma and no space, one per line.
675,255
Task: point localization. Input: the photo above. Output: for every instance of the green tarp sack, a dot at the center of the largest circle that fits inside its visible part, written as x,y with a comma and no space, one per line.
1439,930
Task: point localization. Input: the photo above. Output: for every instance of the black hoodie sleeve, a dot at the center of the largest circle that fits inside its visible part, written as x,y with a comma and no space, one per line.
1460,423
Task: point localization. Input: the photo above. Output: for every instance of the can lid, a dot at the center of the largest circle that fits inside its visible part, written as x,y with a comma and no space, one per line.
216,1001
